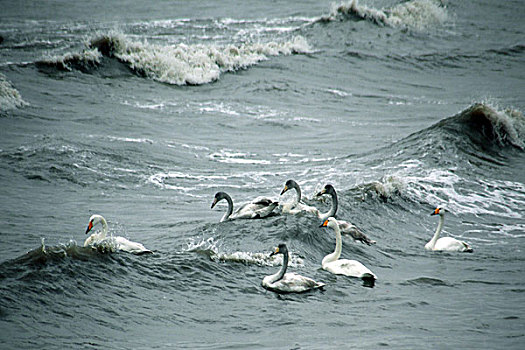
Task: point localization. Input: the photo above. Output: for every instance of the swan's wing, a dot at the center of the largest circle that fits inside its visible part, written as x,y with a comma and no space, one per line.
452,245
352,268
352,230
257,209
131,247
294,283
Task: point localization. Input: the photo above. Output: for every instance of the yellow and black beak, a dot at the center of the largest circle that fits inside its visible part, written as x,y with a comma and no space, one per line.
323,191
214,202
276,251
90,226
436,212
284,190
324,224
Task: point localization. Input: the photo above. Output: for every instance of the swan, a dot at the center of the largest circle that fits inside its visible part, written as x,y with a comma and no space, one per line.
122,243
352,268
258,208
288,282
345,227
296,207
448,244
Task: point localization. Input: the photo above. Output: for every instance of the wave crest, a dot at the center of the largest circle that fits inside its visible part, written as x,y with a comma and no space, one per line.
10,98
418,14
197,64
484,123
87,59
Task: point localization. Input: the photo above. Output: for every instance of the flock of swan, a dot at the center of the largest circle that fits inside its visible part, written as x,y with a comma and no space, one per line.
261,207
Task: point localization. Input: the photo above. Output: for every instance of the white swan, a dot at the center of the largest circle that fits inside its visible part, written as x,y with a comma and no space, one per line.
288,282
448,244
296,207
345,227
121,242
258,208
352,268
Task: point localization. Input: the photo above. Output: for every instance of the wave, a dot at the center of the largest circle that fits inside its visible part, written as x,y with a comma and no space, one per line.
47,253
84,61
486,125
417,14
180,64
10,98
210,248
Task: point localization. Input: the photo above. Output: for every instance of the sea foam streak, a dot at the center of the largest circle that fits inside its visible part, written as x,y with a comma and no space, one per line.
179,64
418,14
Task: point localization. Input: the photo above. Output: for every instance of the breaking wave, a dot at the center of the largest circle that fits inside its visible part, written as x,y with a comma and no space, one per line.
210,248
485,124
179,64
10,98
417,14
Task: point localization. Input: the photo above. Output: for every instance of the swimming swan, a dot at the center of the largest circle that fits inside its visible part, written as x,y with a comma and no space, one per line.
296,207
288,282
352,268
345,227
258,208
448,244
122,243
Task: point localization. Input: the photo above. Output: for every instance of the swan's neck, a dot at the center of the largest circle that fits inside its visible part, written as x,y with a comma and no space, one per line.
297,197
230,209
333,208
282,271
434,239
104,228
338,247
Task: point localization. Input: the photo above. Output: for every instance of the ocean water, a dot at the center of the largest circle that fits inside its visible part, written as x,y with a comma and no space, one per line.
142,111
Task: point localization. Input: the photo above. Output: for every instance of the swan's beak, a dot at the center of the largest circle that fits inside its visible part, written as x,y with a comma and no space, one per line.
275,251
436,212
90,226
284,190
323,191
214,202
324,224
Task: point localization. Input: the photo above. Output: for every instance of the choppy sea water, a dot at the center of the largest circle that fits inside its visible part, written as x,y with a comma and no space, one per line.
142,112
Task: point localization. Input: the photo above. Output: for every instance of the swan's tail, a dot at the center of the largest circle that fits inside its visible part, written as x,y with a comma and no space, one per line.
468,249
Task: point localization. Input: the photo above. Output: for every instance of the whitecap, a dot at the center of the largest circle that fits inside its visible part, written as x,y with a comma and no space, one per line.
10,98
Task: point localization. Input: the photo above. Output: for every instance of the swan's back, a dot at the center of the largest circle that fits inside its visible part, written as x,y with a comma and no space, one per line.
450,244
352,268
291,283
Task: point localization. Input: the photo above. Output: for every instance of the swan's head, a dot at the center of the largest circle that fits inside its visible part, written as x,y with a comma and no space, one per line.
281,249
289,185
93,221
438,211
330,222
218,197
327,189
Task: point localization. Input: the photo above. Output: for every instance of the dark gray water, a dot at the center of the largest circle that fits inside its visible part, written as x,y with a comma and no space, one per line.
142,111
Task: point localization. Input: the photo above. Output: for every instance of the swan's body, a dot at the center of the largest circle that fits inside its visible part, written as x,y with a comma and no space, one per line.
333,264
448,244
283,282
258,208
296,207
120,242
345,227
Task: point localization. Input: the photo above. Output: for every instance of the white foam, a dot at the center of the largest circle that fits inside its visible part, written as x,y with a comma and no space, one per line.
197,63
488,197
212,247
88,57
418,14
10,98
231,157
510,121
